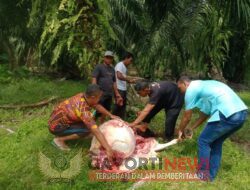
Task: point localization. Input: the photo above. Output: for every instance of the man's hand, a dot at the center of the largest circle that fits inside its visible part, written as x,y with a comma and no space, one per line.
132,125
132,80
142,127
180,134
188,133
119,100
115,117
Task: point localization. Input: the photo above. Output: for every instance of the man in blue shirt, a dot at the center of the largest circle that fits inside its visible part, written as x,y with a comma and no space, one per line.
226,113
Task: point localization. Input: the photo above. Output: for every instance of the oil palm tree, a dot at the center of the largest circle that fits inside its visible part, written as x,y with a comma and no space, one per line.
182,35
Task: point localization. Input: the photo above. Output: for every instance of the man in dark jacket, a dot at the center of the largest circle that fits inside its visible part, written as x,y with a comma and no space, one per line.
162,95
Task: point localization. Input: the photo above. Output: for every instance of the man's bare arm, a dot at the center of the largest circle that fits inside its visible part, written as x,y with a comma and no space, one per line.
105,112
184,122
143,114
203,117
117,94
102,140
120,76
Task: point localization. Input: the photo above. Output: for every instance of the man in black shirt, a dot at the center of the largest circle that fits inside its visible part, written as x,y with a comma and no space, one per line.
104,76
162,95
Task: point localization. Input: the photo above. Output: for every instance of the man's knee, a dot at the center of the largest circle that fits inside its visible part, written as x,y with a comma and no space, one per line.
202,141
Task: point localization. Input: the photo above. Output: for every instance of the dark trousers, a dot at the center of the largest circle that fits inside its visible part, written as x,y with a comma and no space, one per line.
171,115
121,110
106,102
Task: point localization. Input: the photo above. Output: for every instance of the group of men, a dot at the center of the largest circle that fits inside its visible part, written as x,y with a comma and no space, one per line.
73,118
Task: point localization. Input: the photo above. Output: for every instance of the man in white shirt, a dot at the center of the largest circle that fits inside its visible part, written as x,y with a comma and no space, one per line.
121,80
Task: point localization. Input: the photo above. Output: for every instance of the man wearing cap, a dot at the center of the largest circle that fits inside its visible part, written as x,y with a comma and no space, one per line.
104,76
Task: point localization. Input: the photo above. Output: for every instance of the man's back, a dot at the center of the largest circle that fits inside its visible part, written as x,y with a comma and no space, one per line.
166,93
220,96
72,110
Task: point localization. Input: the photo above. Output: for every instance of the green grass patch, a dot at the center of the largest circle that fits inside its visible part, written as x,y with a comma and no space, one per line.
19,152
19,158
245,95
27,91
242,136
233,173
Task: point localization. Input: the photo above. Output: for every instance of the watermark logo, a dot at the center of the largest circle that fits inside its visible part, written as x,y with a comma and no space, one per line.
60,169
155,168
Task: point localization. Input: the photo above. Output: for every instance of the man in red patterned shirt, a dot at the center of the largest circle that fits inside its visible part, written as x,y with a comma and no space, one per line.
72,118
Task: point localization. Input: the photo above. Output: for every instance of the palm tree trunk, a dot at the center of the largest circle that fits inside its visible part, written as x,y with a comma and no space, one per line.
13,63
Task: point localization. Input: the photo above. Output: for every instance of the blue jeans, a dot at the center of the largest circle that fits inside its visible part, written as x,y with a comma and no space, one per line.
211,140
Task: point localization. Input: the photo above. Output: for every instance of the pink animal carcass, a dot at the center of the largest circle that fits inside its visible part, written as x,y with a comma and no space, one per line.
125,143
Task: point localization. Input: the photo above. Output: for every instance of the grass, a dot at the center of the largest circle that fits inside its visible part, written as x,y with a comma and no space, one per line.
31,91
233,174
19,151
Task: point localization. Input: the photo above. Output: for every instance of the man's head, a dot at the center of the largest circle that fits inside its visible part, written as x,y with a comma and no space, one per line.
108,57
142,88
93,94
183,83
127,58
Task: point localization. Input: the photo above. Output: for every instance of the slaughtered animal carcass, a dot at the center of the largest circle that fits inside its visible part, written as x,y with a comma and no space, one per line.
125,143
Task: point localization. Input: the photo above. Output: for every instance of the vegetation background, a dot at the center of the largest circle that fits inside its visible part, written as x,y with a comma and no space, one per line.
49,48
